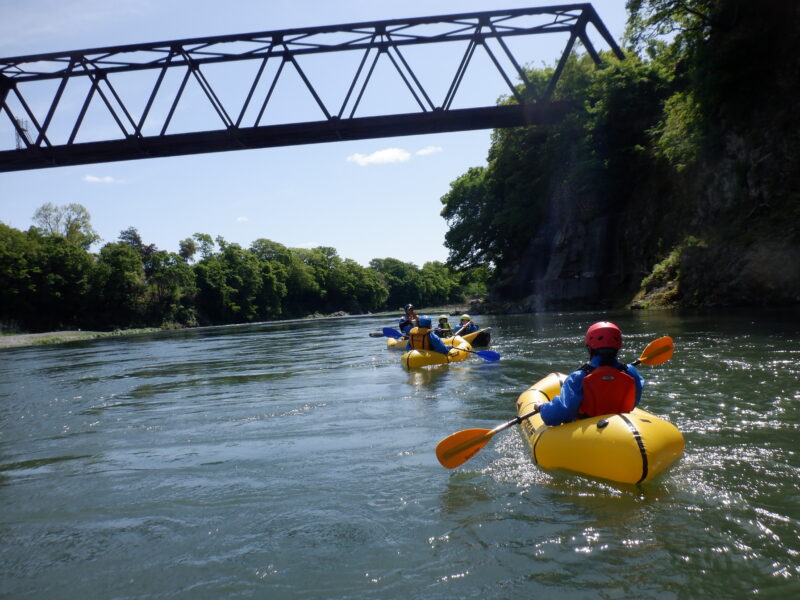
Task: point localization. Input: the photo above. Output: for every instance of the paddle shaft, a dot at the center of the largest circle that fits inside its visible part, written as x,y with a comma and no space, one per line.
515,421
451,454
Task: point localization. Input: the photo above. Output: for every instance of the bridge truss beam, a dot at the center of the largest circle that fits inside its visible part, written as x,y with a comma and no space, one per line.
51,131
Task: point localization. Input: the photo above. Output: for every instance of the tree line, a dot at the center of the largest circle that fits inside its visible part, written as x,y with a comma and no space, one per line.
49,279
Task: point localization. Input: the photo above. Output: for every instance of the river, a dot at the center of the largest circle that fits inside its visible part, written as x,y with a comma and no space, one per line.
296,460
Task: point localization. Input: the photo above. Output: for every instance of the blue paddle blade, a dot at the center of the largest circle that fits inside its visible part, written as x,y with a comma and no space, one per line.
487,355
392,333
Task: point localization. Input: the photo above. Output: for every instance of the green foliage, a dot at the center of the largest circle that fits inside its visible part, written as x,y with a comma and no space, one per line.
187,248
402,280
303,294
48,281
230,285
686,22
71,222
18,269
678,135
119,285
668,270
171,289
593,155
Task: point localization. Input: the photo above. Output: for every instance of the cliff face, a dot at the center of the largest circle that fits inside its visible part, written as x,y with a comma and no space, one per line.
722,230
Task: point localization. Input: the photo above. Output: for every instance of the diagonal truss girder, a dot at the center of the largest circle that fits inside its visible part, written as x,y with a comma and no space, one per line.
146,133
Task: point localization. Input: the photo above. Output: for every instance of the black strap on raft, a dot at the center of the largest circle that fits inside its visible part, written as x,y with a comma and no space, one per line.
638,437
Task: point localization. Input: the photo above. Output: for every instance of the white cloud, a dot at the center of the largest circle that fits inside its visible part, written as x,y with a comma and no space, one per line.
242,219
389,155
428,150
106,179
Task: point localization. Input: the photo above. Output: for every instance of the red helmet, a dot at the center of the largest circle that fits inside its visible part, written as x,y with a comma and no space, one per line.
603,335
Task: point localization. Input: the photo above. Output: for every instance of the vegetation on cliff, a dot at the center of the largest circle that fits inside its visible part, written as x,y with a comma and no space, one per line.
674,179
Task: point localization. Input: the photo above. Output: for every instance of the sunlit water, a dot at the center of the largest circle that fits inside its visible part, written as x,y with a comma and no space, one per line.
296,460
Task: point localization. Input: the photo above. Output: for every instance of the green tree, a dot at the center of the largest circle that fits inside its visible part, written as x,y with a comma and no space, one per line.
171,290
206,244
303,293
62,283
438,284
230,285
120,287
72,222
402,279
18,269
187,248
467,210
131,237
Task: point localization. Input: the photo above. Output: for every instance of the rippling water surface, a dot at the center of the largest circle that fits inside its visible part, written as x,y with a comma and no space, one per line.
296,460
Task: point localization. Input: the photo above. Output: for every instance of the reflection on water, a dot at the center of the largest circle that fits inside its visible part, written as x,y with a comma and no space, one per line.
295,460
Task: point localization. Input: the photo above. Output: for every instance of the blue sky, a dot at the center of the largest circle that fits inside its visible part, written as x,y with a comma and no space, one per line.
368,199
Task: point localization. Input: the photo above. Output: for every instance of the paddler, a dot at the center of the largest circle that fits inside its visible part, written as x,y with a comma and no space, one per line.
444,329
422,337
409,319
467,325
602,386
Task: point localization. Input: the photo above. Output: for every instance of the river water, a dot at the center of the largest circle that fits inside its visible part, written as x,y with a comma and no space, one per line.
296,460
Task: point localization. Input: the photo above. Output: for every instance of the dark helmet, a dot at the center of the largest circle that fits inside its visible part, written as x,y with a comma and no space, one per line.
425,322
409,307
604,335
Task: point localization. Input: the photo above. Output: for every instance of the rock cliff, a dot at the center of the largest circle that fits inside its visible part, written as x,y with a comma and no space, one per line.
723,230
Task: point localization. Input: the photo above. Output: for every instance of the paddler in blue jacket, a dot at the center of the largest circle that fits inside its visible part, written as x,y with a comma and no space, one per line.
467,325
422,337
602,386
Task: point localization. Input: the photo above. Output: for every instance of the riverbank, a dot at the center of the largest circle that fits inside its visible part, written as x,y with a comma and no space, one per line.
17,340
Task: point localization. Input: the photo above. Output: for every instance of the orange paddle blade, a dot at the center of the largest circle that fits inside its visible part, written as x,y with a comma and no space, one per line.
658,351
456,449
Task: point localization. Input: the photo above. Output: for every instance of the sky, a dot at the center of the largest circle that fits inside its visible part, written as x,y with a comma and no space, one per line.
367,199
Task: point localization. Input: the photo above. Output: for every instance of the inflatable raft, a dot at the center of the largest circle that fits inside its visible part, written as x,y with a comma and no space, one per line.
396,343
423,358
482,337
627,448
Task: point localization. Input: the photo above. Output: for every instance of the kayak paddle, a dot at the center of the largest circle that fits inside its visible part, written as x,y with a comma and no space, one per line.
458,448
484,354
657,352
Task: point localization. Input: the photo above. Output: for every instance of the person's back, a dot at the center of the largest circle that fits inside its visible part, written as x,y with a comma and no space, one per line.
607,387
602,386
423,338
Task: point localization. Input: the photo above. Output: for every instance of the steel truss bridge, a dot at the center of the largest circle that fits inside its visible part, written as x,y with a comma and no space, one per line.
50,104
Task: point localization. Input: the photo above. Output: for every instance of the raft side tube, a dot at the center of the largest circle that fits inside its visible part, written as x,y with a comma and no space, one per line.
423,358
